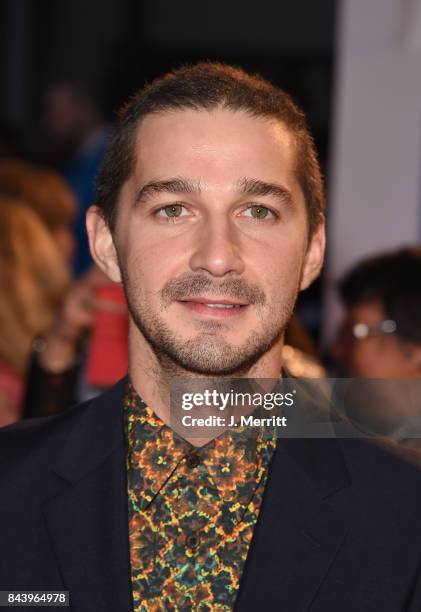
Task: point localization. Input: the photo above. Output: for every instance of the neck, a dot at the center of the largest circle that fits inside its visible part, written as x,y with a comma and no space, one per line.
152,377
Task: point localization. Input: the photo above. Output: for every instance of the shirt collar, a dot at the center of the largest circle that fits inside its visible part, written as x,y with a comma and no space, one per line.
235,464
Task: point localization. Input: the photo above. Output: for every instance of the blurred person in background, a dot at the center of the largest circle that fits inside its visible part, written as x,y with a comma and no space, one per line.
380,336
378,345
46,192
88,334
33,281
56,370
77,133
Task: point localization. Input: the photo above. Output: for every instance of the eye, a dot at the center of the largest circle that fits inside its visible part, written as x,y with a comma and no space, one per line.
259,212
171,211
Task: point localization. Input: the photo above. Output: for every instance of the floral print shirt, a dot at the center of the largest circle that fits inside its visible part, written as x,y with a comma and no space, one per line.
192,512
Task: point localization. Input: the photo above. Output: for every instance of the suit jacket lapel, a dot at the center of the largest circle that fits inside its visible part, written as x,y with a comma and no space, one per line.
300,528
87,516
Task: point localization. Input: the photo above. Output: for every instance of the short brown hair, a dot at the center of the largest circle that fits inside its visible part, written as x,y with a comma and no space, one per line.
206,86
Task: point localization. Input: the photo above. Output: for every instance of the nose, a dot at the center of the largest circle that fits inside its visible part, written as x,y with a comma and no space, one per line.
217,249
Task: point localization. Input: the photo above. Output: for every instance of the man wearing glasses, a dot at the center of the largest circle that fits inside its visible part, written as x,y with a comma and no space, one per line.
380,339
381,333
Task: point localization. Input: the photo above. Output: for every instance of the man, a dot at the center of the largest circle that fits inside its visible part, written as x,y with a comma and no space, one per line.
210,211
380,338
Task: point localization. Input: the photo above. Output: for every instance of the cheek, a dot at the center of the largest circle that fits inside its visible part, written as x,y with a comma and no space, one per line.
364,354
374,359
150,262
359,359
280,269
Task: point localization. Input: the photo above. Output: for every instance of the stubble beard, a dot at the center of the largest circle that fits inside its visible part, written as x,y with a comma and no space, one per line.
208,353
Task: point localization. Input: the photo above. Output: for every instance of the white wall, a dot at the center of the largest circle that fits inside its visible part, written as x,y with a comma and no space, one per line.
374,192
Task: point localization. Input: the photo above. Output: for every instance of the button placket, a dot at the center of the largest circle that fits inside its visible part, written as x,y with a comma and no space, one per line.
192,460
192,541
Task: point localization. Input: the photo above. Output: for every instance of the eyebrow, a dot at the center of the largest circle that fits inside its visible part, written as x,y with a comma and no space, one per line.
255,187
173,185
245,186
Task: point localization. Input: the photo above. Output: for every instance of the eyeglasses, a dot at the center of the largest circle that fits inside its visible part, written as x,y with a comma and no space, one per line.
364,330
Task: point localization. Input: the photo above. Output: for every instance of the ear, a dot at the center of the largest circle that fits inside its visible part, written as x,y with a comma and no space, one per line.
314,257
101,244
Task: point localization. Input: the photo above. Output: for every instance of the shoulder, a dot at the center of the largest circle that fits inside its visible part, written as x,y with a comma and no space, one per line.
37,454
380,455
35,440
367,471
384,472
40,440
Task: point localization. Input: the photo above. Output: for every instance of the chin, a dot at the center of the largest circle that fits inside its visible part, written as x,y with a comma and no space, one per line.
215,358
209,348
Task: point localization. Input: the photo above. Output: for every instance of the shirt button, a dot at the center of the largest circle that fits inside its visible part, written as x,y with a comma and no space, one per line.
192,540
193,460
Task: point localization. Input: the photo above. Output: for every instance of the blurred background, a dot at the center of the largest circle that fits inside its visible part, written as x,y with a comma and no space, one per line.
66,67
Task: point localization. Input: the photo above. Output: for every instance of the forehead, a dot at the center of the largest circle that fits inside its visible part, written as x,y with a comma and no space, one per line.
369,312
214,146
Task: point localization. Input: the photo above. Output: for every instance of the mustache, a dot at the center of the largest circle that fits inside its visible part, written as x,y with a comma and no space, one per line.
186,286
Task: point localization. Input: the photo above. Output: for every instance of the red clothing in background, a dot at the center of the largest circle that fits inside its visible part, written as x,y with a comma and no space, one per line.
11,394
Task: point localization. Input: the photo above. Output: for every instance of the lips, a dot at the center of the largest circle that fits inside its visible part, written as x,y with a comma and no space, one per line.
223,305
214,307
218,302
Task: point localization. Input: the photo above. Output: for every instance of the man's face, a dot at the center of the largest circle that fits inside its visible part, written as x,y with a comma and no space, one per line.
211,238
381,398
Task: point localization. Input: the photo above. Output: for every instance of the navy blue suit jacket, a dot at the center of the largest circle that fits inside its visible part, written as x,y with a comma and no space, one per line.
339,529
